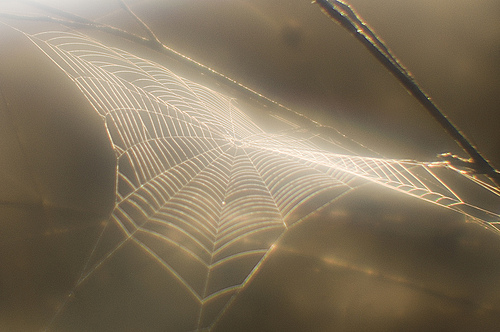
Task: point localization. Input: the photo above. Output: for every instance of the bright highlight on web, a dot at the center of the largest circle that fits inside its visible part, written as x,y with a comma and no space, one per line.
200,187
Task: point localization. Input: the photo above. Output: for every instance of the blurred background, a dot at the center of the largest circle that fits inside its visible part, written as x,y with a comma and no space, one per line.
372,261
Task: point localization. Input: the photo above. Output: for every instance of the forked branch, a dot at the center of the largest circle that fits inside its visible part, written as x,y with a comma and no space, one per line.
344,15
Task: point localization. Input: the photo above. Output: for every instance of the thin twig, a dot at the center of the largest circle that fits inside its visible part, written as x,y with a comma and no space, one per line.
343,14
143,25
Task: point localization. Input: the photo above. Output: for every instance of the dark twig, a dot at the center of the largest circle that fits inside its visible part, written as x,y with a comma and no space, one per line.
344,15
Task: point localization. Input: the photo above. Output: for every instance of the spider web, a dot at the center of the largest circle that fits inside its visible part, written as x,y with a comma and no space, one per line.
201,189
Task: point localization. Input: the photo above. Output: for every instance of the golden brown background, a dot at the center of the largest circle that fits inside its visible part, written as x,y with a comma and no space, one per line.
374,261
